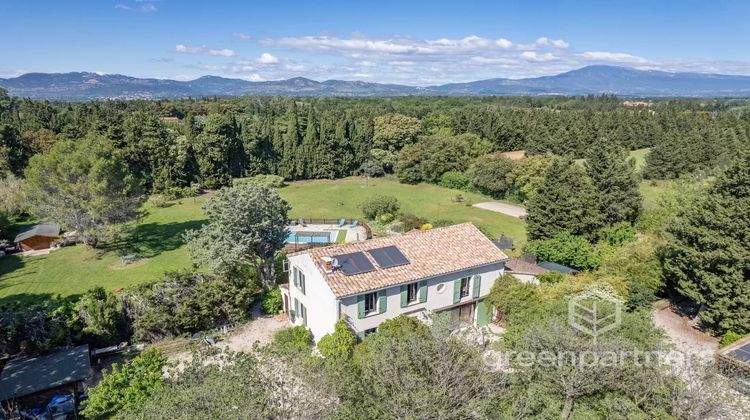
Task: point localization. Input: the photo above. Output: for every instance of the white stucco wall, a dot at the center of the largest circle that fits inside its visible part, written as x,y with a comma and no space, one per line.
526,278
435,300
321,304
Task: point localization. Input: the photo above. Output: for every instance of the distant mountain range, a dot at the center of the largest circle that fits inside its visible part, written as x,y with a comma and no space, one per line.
620,81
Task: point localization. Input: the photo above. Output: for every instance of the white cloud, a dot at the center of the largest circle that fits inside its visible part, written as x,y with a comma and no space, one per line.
122,7
267,58
223,52
148,8
557,43
533,56
611,56
240,35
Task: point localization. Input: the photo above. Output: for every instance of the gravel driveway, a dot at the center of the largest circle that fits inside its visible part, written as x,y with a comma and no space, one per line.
504,208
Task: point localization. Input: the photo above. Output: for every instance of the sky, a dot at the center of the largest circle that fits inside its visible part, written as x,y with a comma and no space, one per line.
406,42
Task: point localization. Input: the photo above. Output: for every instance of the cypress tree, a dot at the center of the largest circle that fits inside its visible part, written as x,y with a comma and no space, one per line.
565,202
288,163
615,181
707,255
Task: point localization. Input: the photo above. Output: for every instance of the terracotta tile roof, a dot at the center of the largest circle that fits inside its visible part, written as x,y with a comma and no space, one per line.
514,265
430,253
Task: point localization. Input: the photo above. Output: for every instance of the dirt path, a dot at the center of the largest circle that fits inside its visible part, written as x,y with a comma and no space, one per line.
683,332
504,208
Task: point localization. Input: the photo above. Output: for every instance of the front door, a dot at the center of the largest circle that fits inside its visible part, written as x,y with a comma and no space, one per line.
462,316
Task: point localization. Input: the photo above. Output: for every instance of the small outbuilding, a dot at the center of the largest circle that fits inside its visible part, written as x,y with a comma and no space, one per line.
39,236
524,271
33,381
551,266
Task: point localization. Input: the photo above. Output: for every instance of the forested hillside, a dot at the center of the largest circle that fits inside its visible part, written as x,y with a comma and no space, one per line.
173,144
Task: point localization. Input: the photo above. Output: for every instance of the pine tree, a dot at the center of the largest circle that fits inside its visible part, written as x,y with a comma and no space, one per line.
707,257
616,182
565,202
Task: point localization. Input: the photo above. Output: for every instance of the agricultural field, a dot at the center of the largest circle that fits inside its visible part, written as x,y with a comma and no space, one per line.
156,238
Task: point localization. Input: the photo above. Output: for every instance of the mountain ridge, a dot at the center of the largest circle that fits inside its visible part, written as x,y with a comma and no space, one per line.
597,79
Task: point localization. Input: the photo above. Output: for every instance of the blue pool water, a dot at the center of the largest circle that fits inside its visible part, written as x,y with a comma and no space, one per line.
292,238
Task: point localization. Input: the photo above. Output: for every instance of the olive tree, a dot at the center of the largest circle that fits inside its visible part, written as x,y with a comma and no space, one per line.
247,226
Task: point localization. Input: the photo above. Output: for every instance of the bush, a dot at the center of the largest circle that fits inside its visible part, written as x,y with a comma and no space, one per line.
617,234
386,218
186,302
731,337
101,315
442,223
640,296
455,180
382,204
410,221
128,386
158,200
509,295
270,181
175,193
271,301
491,174
550,277
338,345
293,340
567,249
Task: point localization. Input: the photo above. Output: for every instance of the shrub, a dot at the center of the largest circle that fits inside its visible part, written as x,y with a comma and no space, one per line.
442,223
567,249
382,204
410,221
158,200
550,277
617,234
386,218
491,174
640,296
271,301
186,302
175,193
128,386
731,337
101,315
455,180
293,340
509,295
338,345
270,181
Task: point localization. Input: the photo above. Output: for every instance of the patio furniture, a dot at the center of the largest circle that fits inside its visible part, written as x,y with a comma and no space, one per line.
302,222
127,259
342,222
354,224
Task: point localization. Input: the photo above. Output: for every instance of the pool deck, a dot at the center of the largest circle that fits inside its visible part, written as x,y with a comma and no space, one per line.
352,234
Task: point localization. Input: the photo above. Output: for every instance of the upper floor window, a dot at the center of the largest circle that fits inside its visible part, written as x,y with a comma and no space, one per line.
412,292
371,302
465,283
299,279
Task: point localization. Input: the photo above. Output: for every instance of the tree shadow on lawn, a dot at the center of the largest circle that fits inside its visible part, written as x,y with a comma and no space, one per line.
23,300
10,264
151,239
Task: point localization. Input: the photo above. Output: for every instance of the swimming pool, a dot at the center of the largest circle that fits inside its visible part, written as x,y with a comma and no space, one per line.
307,237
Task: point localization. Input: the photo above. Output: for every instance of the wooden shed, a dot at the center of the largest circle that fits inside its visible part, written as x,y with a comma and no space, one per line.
39,236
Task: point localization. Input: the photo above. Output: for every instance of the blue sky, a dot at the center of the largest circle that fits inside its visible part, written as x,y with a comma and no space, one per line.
409,42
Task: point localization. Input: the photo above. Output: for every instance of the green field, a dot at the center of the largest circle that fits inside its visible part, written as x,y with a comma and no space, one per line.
156,238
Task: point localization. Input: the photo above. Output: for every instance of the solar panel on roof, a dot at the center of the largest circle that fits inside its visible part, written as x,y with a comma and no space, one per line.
742,354
354,263
388,256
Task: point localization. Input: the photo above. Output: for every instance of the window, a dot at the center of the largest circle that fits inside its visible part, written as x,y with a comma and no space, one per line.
285,266
303,314
465,282
441,288
371,302
412,292
371,331
299,279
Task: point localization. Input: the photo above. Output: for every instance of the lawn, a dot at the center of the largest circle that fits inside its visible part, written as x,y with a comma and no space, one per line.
156,238
340,198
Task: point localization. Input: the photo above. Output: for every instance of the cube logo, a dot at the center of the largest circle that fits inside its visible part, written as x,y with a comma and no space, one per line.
595,312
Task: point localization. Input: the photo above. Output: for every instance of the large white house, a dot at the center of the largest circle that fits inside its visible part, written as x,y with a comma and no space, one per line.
445,270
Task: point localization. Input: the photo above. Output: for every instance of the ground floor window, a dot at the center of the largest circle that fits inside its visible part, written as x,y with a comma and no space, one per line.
462,316
412,291
371,331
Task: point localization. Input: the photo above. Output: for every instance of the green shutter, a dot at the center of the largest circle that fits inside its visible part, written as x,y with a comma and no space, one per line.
296,309
302,282
360,306
457,291
423,291
294,276
477,285
483,313
382,301
404,295
304,315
